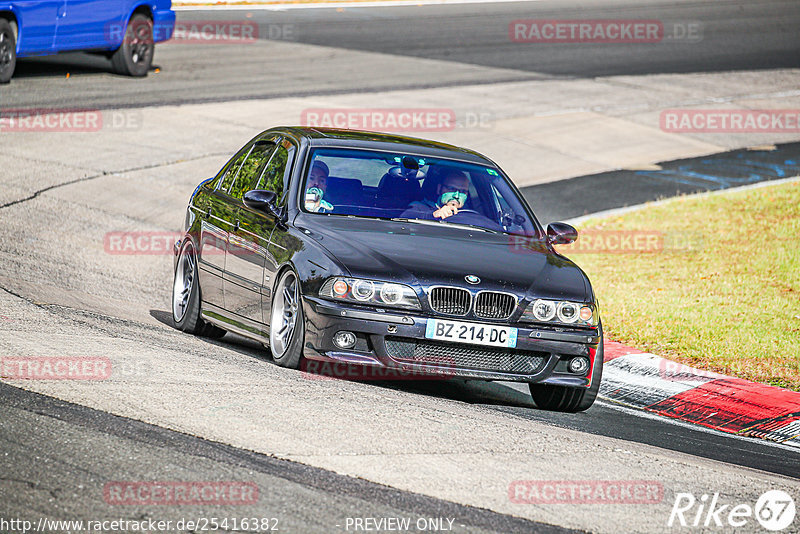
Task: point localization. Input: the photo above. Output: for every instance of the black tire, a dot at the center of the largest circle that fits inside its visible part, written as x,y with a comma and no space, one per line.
566,399
135,56
8,51
287,353
187,316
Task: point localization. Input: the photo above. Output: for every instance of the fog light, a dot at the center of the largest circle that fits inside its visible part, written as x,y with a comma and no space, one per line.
579,365
344,339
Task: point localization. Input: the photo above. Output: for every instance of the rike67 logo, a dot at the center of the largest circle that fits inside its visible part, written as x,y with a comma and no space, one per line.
774,511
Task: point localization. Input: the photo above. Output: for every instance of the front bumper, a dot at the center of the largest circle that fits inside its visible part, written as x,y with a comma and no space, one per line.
163,25
396,340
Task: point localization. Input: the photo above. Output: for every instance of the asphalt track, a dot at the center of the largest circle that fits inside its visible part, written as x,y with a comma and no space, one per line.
56,453
583,195
465,44
727,35
304,499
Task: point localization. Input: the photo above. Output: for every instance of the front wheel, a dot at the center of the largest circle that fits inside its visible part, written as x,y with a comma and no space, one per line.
135,56
566,399
286,324
8,51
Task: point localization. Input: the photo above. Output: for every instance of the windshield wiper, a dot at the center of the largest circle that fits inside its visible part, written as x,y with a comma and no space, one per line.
475,226
440,223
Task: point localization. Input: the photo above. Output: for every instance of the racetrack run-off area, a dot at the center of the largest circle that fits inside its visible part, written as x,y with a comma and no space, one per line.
580,128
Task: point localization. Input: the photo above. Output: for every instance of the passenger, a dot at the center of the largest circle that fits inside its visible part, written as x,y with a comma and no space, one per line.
316,186
451,194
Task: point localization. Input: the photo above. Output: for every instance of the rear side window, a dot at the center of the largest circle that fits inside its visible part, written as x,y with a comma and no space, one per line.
272,178
252,168
233,169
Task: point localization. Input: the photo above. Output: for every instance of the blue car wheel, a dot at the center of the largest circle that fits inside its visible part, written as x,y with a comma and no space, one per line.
8,51
135,56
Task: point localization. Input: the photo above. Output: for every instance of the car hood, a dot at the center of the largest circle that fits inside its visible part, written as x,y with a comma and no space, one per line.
425,254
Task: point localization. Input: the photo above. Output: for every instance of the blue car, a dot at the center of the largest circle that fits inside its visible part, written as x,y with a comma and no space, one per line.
123,30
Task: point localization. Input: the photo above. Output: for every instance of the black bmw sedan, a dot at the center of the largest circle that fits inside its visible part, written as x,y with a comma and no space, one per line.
392,252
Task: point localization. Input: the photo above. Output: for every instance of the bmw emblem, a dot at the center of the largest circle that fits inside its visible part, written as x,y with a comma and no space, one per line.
472,279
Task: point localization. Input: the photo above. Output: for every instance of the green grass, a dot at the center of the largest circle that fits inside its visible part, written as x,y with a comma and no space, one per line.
723,294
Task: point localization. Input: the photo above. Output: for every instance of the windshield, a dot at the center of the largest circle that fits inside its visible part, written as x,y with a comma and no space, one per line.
387,185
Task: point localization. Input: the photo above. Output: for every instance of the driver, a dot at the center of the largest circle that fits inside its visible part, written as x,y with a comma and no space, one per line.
452,194
315,188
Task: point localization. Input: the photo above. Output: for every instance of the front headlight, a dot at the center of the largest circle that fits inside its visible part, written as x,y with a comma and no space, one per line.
560,311
370,292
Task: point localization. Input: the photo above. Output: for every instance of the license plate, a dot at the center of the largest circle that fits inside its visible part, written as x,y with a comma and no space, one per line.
478,334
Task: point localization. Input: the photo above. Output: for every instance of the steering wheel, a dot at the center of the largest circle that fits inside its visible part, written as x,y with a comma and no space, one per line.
470,211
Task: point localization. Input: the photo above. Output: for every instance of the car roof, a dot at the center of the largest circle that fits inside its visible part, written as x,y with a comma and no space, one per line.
333,137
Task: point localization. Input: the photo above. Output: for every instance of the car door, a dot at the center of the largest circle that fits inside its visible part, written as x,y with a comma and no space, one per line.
39,20
216,220
281,244
247,241
91,24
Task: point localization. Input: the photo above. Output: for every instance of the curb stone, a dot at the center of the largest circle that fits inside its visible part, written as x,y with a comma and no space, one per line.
655,384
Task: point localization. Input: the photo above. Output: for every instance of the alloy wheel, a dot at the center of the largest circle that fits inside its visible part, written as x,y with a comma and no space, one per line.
182,287
284,314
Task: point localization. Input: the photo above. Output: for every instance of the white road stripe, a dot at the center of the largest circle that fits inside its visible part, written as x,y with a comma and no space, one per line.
332,5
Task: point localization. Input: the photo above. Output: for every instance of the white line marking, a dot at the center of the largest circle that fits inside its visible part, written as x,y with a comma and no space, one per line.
334,5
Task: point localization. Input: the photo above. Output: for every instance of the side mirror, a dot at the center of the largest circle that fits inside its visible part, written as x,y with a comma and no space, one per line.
263,200
559,233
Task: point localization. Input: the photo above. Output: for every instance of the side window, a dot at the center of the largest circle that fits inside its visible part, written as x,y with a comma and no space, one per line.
230,174
252,167
500,201
272,178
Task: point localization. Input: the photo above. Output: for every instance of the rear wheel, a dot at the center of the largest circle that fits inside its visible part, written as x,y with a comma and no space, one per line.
286,325
8,50
186,296
566,399
135,56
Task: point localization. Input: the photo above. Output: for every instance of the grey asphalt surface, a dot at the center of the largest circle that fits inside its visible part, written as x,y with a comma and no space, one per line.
465,44
60,452
56,454
583,195
726,34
